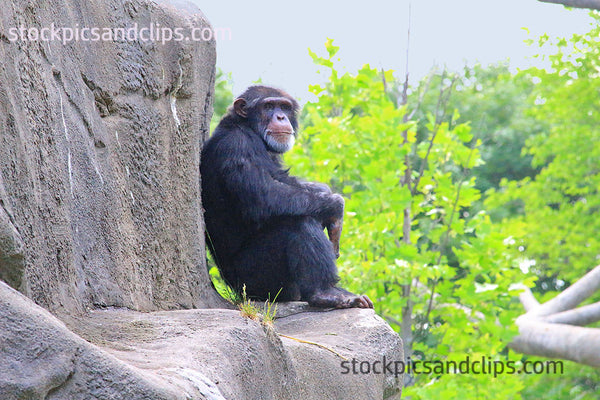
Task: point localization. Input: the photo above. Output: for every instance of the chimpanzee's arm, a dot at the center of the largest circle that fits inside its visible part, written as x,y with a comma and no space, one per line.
247,179
334,226
316,187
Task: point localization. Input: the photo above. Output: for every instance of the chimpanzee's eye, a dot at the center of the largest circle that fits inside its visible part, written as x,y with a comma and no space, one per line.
268,106
286,107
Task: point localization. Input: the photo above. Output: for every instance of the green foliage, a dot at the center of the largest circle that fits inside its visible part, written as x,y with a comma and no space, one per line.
220,286
265,315
247,307
581,383
495,102
559,224
223,97
410,241
270,310
555,233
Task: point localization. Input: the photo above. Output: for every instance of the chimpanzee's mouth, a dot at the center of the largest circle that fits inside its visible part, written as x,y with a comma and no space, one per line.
279,133
280,136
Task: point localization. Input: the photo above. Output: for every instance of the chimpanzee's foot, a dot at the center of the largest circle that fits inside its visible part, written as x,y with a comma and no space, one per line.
339,298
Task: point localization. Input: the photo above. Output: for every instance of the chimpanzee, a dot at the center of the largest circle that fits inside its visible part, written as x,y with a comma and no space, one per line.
265,228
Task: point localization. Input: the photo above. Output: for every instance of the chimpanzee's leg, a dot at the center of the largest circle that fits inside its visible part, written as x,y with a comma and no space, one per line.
310,258
261,267
311,264
295,256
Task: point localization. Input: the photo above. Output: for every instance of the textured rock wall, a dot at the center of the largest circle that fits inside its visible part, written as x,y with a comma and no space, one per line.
99,154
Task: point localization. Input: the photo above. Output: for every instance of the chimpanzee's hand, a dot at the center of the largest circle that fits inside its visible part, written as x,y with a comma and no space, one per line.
336,205
335,221
334,229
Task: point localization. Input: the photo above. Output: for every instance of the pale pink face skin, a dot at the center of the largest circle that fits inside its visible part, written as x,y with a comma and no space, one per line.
279,134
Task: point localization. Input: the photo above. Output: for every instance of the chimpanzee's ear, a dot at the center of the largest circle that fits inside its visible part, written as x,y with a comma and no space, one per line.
239,106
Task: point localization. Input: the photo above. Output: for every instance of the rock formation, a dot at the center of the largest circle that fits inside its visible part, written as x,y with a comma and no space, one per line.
101,230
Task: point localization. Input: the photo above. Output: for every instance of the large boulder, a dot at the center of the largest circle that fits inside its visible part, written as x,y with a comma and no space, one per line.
42,359
192,354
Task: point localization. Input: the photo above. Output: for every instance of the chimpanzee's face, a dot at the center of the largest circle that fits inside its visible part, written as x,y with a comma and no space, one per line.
275,125
271,114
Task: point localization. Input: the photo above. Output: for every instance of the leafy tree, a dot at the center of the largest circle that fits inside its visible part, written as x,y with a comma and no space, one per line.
438,274
560,205
495,102
556,233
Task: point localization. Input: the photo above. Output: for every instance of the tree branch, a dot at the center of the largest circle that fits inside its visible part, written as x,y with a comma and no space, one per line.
571,296
526,297
443,99
557,341
407,320
581,316
555,330
591,4
421,96
444,242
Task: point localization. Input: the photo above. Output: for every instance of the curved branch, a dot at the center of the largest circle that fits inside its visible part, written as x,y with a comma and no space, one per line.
528,300
557,341
571,296
581,316
591,4
549,330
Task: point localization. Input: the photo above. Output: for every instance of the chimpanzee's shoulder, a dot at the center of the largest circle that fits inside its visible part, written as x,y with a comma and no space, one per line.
229,138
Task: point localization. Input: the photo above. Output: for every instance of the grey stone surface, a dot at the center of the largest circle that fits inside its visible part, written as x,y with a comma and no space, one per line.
338,336
11,249
41,359
99,154
247,360
190,354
